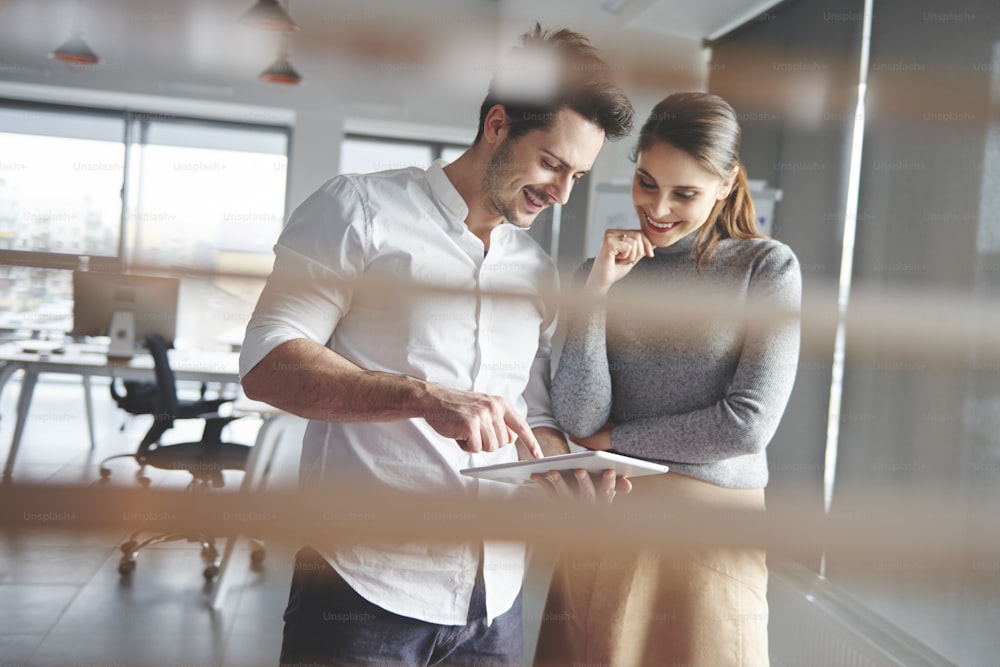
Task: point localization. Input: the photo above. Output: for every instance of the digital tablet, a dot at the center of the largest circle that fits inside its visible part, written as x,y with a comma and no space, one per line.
520,472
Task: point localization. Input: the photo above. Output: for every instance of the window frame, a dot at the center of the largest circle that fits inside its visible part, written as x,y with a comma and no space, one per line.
437,146
134,124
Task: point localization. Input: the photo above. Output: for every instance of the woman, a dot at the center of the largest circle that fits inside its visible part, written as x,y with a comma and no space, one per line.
703,398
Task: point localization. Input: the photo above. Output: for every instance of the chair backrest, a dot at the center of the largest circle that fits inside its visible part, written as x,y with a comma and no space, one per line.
139,397
166,384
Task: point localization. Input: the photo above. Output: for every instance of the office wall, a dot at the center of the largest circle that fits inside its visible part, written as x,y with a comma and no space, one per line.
926,228
792,76
928,225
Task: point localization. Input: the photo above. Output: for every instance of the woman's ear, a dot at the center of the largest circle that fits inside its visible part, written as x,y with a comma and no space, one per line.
727,185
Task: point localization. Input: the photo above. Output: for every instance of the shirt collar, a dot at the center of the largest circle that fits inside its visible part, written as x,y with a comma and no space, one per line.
448,197
445,192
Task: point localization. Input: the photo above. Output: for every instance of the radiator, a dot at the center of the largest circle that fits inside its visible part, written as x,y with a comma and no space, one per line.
814,623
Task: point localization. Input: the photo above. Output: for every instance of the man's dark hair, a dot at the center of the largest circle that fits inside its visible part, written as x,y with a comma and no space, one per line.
551,70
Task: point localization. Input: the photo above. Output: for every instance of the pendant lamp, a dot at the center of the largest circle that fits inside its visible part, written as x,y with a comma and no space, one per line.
281,71
75,51
269,15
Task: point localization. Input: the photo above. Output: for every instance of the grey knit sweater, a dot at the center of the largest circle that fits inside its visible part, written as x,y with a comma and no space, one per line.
704,401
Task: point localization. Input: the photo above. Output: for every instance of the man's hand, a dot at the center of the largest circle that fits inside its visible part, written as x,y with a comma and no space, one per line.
477,422
556,486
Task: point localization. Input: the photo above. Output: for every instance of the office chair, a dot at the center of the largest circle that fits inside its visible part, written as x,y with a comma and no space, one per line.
159,399
205,459
137,398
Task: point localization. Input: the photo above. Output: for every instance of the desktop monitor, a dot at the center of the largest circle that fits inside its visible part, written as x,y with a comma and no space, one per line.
124,307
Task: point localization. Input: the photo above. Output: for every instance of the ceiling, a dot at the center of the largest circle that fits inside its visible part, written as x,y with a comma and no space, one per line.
197,48
686,20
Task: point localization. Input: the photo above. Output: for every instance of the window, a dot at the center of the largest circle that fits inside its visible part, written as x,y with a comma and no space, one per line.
61,177
361,154
204,195
143,191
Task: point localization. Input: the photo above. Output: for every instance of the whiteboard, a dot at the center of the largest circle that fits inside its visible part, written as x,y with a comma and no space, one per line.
612,210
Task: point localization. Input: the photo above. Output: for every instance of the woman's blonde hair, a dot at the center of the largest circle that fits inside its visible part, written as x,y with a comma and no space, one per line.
705,127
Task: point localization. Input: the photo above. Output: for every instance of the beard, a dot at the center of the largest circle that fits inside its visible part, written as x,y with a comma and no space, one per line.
494,180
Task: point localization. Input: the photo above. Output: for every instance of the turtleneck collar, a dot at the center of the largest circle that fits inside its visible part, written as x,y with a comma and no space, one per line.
684,245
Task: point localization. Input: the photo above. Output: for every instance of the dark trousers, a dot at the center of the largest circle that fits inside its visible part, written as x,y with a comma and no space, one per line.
327,623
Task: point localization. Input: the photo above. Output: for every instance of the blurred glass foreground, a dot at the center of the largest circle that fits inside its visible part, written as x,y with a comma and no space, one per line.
904,529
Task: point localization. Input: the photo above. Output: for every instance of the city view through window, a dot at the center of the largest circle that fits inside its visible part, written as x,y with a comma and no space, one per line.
197,196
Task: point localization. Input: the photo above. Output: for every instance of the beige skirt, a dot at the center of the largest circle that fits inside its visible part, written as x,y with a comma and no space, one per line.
698,608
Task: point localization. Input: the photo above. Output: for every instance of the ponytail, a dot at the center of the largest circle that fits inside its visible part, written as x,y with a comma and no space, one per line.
734,217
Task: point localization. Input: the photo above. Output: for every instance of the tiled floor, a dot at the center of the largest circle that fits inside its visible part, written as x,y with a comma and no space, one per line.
62,601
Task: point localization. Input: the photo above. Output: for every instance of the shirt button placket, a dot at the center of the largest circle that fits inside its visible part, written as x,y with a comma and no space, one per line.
482,333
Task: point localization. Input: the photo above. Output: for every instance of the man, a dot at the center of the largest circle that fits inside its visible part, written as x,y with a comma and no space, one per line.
403,392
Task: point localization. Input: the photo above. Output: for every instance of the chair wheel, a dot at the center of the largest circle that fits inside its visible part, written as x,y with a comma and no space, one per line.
128,547
105,474
257,556
126,567
210,572
144,481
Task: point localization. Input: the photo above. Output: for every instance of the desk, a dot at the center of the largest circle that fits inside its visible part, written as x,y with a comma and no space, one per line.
86,362
275,426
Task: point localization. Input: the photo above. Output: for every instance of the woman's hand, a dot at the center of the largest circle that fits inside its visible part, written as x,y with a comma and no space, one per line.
598,489
600,441
620,250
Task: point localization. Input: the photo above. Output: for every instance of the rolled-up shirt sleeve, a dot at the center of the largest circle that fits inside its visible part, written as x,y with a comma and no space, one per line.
317,260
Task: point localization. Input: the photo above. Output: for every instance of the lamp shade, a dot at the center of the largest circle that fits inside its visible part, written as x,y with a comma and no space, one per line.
281,71
76,52
268,14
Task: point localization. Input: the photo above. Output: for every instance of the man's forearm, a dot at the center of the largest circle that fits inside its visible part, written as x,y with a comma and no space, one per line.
311,381
314,382
551,440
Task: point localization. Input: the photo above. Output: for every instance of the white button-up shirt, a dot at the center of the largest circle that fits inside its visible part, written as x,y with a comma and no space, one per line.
409,225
